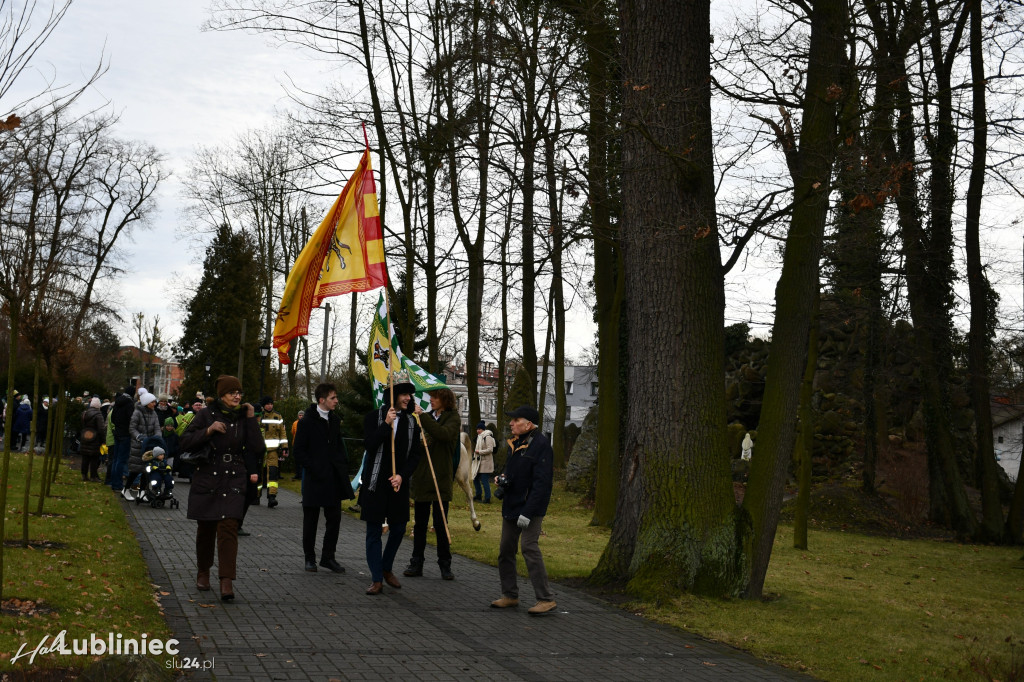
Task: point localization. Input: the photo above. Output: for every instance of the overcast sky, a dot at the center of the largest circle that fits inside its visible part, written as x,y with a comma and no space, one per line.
175,87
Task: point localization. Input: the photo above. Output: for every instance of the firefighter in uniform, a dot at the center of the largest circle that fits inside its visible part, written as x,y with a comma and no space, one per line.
276,438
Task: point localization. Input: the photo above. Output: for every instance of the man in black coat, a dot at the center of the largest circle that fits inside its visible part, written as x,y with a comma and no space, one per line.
320,450
525,494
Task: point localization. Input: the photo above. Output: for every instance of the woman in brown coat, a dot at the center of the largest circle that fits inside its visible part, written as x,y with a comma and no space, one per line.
216,498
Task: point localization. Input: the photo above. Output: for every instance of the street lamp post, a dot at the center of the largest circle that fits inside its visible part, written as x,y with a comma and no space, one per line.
206,383
264,352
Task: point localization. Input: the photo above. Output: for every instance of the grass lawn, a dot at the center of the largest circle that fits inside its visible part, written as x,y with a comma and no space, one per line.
853,607
93,580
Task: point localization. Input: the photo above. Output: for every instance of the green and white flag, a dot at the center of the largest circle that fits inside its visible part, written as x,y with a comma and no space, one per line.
383,350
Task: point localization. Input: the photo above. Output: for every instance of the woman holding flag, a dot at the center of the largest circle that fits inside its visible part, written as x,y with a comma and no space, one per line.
432,480
393,450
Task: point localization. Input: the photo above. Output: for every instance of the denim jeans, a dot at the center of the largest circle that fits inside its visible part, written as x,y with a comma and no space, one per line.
377,561
482,486
118,460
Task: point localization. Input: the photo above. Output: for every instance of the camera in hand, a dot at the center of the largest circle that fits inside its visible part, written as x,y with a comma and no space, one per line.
499,486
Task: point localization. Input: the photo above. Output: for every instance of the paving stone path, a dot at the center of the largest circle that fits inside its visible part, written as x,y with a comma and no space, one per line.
286,624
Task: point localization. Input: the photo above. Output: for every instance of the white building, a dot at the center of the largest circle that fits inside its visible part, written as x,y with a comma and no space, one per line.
580,393
488,396
1008,436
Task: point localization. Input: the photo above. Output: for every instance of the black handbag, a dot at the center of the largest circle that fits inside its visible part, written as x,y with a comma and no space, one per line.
197,457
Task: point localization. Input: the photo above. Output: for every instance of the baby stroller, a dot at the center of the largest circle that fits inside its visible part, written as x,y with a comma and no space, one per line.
157,485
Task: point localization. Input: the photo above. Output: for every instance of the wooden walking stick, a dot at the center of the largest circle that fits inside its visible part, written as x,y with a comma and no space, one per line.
437,489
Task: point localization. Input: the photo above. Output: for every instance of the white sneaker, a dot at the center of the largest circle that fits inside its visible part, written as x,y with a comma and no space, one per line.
127,494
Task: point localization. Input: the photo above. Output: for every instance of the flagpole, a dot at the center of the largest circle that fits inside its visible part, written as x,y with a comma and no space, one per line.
440,504
391,375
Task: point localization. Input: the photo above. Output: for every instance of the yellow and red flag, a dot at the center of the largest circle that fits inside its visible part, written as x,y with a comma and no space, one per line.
345,254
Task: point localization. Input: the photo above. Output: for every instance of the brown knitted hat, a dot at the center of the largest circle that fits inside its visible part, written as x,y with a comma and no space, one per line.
226,384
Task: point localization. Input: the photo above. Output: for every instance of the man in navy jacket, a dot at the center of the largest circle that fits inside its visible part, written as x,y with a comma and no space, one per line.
525,498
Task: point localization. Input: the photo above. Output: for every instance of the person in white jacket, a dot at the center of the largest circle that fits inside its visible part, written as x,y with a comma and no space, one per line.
483,463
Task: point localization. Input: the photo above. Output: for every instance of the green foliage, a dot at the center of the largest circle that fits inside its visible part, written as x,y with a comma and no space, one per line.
73,415
736,336
230,291
289,408
355,399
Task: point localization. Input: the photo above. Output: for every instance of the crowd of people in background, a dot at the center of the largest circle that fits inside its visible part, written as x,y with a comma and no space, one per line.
139,436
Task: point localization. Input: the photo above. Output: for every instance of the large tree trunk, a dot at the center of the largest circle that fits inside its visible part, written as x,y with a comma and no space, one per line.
929,284
675,526
798,284
599,41
980,335
805,443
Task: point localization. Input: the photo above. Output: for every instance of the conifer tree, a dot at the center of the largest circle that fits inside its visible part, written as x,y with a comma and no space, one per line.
230,291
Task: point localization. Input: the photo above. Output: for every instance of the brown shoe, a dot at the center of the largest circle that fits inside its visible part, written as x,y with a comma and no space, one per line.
203,581
375,588
226,591
505,602
390,579
541,607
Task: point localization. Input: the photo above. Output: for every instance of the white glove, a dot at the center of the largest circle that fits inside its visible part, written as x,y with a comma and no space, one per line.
523,522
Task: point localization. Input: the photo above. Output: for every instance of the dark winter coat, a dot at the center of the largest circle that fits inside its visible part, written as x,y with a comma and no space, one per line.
122,412
443,439
23,419
319,449
92,420
162,413
377,499
42,420
529,469
218,488
143,425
